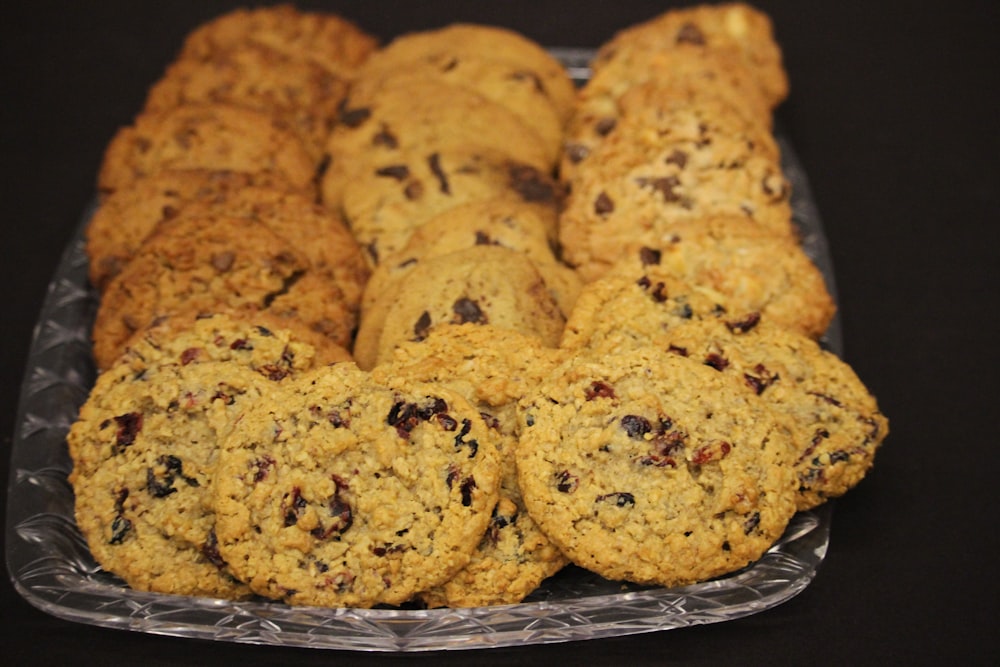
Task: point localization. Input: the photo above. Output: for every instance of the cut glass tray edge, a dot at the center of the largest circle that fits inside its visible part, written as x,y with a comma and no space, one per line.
50,566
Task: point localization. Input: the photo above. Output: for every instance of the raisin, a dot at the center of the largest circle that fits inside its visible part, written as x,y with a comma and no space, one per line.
750,524
566,482
620,498
599,389
129,426
840,456
636,426
826,398
436,406
273,372
340,510
467,310
120,528
447,422
603,205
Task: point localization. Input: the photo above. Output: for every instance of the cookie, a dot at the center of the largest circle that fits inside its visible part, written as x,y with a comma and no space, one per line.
422,116
493,369
506,83
751,268
736,29
462,41
835,422
298,92
642,182
261,342
654,469
317,232
622,310
346,492
387,202
124,218
501,221
204,136
208,265
480,285
325,38
144,450
704,79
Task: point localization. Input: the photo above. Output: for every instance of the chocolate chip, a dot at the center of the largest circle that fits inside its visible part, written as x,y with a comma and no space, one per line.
678,157
467,310
385,138
353,117
577,153
223,261
665,185
400,172
603,205
530,184
422,326
414,190
650,256
604,126
689,33
434,162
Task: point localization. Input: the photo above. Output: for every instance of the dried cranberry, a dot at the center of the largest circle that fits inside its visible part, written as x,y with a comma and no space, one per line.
716,361
129,426
189,355
210,550
404,417
460,440
566,482
292,506
744,325
599,389
263,466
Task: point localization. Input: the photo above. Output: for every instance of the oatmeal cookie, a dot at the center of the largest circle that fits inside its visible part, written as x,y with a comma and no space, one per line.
835,422
204,136
643,182
144,451
752,269
493,369
653,468
346,492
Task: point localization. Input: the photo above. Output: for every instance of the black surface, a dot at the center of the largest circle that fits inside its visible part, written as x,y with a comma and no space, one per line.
894,113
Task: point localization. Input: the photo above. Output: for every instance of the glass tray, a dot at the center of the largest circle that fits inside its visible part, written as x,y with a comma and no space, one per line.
52,568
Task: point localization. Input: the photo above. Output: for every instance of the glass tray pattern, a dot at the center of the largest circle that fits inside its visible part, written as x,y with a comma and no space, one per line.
51,566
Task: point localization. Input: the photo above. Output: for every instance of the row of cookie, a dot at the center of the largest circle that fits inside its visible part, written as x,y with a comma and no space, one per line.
208,199
672,143
220,457
442,168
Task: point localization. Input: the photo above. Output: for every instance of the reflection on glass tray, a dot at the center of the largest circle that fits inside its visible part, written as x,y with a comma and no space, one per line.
53,569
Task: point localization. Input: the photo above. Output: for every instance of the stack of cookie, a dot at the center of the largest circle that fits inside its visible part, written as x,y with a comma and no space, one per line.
406,393
208,199
442,166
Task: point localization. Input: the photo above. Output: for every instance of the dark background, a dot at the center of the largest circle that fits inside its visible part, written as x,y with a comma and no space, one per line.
894,113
